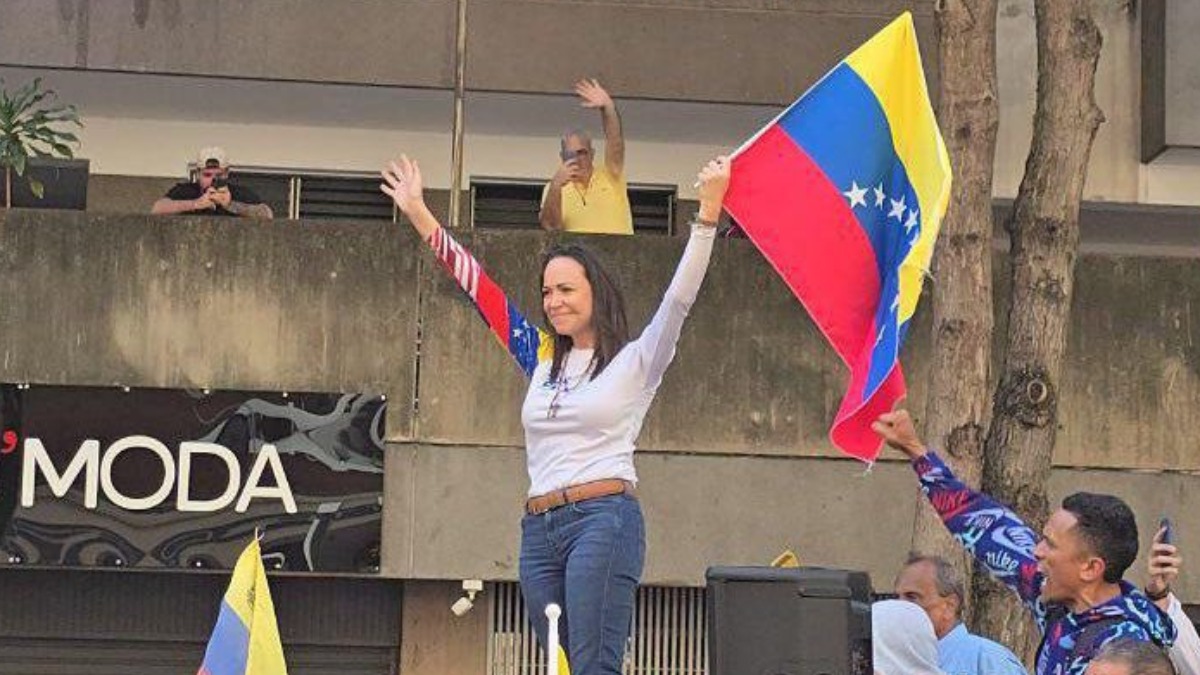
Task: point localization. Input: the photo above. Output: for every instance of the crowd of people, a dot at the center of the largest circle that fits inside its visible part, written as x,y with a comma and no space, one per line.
1071,578
591,382
583,196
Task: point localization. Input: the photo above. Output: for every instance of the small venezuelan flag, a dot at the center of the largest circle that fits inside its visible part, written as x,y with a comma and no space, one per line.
245,640
844,193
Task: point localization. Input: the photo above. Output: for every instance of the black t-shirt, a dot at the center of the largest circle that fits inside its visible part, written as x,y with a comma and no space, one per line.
183,191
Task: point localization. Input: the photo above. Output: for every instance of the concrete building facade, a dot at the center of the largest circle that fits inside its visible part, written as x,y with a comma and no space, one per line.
734,463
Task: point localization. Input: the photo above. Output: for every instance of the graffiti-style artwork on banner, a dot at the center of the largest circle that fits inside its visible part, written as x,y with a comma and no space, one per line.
180,478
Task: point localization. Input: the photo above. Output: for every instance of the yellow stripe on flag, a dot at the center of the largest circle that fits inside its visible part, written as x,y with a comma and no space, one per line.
890,64
545,346
564,668
250,597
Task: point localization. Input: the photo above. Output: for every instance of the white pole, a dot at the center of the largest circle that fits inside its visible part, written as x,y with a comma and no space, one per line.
553,611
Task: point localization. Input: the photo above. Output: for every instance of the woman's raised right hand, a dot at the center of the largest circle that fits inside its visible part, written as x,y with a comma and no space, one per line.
402,182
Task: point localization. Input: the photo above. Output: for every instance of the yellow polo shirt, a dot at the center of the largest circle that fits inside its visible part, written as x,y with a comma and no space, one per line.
602,207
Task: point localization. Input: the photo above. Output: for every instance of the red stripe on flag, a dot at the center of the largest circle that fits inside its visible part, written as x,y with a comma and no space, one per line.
852,426
804,226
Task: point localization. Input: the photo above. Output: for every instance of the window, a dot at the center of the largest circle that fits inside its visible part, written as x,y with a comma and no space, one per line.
669,633
342,197
318,194
506,204
503,203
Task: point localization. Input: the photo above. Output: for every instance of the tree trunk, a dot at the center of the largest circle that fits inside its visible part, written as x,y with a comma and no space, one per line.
8,187
957,403
1044,232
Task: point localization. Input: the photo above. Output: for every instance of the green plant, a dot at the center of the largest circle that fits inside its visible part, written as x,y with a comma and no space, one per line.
30,126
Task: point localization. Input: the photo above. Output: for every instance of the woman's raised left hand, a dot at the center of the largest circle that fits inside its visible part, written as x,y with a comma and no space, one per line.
713,181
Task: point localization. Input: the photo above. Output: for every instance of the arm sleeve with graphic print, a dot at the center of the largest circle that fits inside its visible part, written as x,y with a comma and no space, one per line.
990,532
656,346
525,342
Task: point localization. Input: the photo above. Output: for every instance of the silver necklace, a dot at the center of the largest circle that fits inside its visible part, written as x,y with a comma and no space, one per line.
564,385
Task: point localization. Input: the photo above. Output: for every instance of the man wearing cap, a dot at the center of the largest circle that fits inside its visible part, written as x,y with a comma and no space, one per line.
212,193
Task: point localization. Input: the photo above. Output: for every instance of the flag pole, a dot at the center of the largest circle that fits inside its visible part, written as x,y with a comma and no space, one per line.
553,611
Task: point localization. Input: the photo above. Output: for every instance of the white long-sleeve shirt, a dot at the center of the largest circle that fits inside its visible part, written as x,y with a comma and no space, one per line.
1185,653
579,429
591,433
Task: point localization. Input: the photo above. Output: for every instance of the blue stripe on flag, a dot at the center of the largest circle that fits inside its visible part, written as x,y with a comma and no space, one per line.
842,127
229,645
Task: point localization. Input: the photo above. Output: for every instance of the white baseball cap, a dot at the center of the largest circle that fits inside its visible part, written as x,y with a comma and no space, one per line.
212,157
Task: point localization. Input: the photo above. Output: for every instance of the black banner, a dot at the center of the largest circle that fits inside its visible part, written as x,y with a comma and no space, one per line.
117,477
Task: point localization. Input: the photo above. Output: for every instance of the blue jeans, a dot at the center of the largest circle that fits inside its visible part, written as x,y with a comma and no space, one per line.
588,558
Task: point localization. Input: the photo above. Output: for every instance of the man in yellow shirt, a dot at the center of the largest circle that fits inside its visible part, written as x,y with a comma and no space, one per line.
583,197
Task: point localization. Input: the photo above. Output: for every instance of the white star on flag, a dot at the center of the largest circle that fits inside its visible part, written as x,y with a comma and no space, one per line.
912,220
882,333
856,195
897,211
878,189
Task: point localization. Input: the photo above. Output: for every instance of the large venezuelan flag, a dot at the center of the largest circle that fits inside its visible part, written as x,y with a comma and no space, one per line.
844,193
245,640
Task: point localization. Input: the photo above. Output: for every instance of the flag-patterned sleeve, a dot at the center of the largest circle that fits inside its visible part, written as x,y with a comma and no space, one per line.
525,342
992,533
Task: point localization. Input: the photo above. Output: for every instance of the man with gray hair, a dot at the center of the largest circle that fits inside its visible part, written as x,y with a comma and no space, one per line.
934,584
1131,657
584,196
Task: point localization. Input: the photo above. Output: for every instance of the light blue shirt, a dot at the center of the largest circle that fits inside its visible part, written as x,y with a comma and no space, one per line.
961,653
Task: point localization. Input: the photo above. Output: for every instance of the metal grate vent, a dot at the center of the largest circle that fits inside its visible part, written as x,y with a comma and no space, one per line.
669,634
504,203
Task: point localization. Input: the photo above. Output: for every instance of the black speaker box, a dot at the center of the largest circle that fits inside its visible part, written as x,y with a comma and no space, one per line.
788,621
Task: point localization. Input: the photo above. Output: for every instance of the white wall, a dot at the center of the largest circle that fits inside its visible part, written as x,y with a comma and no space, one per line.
1116,172
140,147
358,129
1173,178
537,157
148,147
1183,78
1113,174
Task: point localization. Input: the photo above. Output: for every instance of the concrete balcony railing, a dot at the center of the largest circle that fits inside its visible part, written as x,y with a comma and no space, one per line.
736,440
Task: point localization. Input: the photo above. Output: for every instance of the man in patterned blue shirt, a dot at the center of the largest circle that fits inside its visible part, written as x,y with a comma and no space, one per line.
1069,578
932,583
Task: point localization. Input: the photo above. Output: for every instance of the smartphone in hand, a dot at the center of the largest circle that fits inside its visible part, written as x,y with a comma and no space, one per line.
1164,524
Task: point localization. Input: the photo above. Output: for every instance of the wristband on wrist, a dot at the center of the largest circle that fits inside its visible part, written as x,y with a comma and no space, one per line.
1157,596
697,220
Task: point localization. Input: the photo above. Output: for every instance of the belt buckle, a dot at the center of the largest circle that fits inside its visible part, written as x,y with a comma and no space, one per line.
537,506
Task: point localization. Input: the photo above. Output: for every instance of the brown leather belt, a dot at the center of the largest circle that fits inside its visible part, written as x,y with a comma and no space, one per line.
577,493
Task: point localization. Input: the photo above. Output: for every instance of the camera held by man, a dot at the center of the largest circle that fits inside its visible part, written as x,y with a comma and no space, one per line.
211,192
